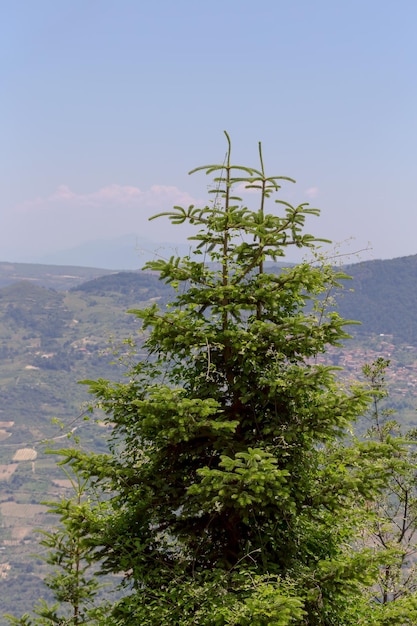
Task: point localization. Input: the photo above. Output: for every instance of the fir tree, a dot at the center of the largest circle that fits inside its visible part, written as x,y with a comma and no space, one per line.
230,493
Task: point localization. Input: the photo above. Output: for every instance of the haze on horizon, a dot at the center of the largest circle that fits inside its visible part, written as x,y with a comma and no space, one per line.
106,106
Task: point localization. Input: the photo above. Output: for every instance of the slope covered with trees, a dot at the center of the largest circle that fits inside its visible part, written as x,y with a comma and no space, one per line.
382,295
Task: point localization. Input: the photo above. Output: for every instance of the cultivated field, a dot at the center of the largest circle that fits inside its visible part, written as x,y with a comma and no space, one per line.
25,454
6,471
22,511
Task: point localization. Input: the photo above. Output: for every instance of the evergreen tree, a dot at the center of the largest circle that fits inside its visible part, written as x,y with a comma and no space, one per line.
73,585
229,496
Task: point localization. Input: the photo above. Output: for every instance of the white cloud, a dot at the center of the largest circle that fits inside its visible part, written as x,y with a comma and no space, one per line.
311,192
113,195
66,218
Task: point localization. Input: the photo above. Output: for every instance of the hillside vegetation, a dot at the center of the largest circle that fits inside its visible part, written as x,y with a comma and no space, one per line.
48,341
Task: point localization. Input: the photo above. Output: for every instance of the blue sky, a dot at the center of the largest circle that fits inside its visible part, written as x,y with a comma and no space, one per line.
106,105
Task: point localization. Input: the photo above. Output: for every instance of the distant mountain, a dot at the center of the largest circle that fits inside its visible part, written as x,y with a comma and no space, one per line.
128,252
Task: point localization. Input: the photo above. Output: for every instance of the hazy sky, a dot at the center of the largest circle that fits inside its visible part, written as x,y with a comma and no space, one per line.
107,104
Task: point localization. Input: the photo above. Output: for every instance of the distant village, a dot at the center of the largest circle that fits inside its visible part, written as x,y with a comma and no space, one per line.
401,375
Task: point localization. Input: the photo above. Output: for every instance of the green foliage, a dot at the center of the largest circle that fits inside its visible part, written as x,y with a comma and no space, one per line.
259,600
231,495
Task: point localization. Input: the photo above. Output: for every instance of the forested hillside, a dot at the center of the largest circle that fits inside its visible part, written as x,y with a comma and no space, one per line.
383,296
